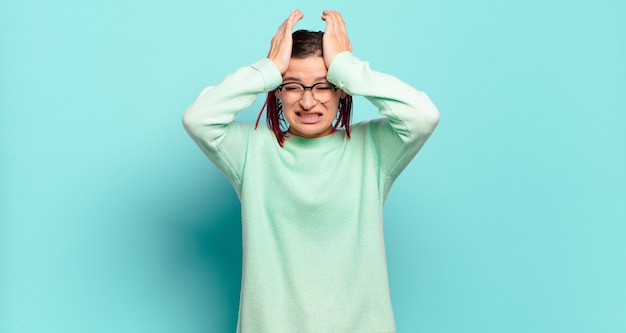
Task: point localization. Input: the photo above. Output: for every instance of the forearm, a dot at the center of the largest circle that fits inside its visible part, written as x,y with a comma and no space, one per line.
411,113
208,118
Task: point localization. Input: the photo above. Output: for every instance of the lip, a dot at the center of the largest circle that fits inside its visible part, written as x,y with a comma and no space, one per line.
309,117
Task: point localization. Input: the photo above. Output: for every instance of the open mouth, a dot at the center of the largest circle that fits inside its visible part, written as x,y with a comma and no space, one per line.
308,114
309,117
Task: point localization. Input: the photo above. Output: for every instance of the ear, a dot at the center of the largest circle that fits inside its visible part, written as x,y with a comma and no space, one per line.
276,93
343,94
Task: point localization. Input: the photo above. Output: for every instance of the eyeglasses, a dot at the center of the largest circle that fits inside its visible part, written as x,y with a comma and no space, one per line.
322,91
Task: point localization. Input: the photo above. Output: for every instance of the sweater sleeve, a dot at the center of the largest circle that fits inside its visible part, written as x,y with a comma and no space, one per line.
210,120
411,117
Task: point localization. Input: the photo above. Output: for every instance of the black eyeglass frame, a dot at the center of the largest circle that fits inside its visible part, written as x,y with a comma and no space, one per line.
304,88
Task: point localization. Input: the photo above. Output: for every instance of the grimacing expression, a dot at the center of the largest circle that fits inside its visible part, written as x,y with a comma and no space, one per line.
306,115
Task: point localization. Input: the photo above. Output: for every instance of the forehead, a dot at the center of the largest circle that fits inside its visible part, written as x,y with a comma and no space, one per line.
309,69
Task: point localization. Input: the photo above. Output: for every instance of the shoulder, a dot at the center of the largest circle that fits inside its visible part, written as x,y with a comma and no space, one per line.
261,137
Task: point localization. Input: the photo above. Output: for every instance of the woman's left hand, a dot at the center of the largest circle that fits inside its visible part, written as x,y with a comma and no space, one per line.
335,37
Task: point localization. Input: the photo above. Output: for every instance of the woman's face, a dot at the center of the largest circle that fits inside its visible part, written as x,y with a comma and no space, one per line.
308,117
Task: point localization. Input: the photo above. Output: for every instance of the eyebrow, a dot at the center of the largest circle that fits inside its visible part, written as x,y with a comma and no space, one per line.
291,78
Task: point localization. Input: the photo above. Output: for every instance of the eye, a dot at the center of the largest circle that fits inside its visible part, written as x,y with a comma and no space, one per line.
324,86
292,87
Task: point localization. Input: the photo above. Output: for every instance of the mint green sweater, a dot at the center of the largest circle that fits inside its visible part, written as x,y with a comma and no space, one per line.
312,211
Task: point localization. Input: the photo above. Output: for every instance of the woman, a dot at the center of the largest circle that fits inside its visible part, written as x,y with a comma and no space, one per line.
312,191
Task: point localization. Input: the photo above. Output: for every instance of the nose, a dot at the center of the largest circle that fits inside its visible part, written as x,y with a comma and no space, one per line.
307,101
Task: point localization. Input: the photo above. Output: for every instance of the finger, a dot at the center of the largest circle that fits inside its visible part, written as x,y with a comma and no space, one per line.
330,24
327,16
298,15
284,30
334,21
335,26
293,18
341,24
290,21
280,46
285,25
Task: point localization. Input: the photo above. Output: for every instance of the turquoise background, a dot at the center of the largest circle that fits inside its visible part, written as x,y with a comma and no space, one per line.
511,219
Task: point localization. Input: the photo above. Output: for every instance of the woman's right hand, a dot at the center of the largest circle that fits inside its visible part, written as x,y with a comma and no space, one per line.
280,49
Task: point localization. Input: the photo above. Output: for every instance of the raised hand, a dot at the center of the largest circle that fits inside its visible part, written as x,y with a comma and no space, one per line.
280,49
335,37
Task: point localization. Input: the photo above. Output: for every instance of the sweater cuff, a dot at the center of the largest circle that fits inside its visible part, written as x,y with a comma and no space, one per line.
338,67
270,74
